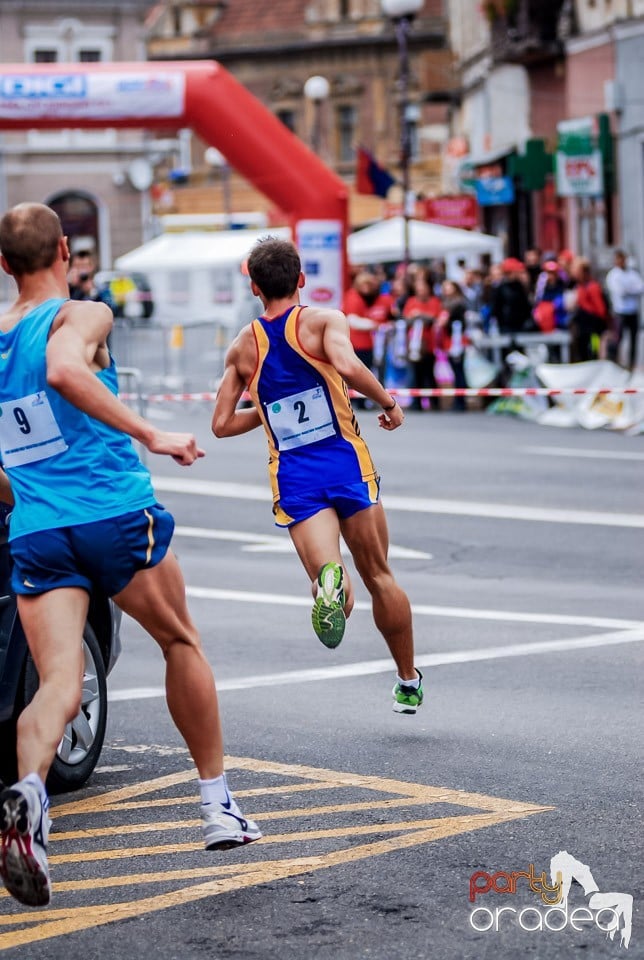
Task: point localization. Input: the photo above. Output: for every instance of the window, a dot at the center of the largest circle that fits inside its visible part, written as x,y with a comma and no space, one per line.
346,127
287,117
345,9
89,56
45,56
69,40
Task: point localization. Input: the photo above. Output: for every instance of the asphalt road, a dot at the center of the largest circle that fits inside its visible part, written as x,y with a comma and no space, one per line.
521,550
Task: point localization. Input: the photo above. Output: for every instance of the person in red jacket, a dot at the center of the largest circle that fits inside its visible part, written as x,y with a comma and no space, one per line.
421,310
365,308
590,316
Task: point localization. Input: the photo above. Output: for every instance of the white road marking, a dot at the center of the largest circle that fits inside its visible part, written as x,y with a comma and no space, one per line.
464,613
366,667
114,768
265,543
460,508
587,454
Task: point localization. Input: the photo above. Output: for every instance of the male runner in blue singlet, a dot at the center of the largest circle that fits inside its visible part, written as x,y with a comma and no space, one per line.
296,363
85,512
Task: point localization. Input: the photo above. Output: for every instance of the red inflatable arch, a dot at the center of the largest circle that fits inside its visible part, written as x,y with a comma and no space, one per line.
204,96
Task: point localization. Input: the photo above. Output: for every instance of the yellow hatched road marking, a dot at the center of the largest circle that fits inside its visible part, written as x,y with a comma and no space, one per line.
19,929
192,798
161,825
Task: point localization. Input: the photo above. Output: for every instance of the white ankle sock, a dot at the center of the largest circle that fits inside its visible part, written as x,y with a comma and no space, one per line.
215,792
414,684
34,781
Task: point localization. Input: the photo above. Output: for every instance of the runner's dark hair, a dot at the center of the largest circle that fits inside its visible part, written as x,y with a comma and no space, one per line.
274,266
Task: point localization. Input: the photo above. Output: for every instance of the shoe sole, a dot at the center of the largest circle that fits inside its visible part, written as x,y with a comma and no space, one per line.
23,876
233,840
327,616
404,708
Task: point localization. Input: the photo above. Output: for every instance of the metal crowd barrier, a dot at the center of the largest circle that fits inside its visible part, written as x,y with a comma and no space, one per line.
173,356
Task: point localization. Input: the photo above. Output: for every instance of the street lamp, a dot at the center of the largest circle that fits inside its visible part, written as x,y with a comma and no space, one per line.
214,158
402,12
316,89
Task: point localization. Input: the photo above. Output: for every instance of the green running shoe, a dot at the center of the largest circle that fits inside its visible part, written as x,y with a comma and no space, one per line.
327,616
408,699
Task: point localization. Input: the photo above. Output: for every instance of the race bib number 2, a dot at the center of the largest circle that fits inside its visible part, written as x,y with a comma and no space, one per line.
300,419
28,431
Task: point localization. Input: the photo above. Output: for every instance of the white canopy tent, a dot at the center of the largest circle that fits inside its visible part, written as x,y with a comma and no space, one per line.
196,275
383,242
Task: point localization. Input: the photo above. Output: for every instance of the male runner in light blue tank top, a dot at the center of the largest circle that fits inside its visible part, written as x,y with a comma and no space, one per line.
296,363
85,513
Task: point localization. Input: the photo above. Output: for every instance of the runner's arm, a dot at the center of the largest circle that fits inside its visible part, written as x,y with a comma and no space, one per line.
340,353
227,420
71,370
6,496
356,322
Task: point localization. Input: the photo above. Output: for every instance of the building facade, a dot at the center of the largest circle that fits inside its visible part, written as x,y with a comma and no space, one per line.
273,49
544,88
93,178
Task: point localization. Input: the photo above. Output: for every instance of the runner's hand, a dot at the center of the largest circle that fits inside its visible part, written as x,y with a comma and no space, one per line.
182,447
390,419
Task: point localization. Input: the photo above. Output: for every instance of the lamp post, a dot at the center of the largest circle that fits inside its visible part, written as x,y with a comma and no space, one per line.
214,158
316,89
401,13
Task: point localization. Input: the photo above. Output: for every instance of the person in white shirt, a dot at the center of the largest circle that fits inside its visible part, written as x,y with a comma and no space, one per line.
625,286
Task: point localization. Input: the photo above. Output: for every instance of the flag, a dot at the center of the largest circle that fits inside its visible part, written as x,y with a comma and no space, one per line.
371,178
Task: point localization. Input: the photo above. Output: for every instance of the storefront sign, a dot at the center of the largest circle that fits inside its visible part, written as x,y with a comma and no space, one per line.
579,161
459,210
581,175
494,191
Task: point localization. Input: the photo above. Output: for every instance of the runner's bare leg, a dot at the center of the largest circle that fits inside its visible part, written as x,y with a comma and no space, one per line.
53,623
317,541
156,599
367,537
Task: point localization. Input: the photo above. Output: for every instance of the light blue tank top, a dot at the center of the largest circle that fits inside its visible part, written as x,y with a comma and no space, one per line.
65,467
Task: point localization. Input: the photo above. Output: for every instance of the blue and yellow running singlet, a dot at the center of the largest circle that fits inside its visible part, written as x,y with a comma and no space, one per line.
313,436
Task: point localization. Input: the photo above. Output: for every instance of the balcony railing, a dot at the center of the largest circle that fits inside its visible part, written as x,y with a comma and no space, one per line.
524,30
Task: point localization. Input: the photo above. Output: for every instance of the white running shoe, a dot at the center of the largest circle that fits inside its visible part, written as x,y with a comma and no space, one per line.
24,824
225,829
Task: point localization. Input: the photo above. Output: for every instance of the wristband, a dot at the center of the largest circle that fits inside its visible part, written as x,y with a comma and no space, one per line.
388,409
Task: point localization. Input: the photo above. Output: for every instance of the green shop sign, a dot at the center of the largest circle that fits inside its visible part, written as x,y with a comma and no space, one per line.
584,159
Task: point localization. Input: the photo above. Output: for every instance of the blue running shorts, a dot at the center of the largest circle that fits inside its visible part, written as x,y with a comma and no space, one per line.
345,500
105,553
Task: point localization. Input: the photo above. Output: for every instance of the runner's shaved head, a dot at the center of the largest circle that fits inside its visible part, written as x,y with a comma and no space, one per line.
29,237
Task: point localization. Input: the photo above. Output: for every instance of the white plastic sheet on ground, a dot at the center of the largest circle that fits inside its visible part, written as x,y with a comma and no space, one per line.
616,411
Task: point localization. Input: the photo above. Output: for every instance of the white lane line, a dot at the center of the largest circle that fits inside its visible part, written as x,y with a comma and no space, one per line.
366,667
460,508
426,610
587,454
266,543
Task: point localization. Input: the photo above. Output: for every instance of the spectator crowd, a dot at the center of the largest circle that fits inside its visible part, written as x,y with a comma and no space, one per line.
419,327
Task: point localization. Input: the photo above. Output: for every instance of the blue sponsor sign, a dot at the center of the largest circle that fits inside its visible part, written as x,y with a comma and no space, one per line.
43,86
494,191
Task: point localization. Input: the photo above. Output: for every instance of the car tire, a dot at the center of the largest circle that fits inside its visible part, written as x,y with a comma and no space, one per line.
81,745
8,764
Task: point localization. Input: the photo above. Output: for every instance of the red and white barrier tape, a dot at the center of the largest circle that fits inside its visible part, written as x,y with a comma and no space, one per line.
209,396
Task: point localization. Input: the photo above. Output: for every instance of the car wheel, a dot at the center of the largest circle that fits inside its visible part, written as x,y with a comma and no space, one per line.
8,762
80,748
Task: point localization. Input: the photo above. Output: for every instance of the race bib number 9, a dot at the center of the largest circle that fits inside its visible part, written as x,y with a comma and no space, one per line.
300,419
28,431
